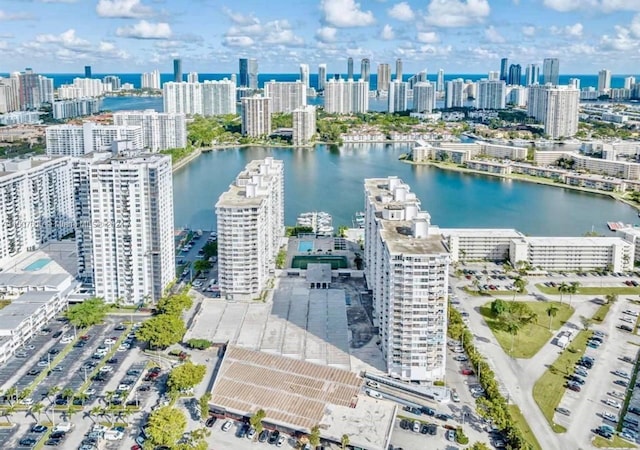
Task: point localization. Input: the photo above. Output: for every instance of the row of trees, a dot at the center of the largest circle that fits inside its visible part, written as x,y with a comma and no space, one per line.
568,288
513,316
167,327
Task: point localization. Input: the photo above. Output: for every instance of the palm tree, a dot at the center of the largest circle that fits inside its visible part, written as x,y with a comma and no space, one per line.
513,327
611,298
26,392
11,394
67,393
53,390
563,289
573,289
37,408
552,310
95,411
344,441
9,411
108,396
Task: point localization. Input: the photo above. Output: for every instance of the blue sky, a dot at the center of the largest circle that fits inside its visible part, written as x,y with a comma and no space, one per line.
461,36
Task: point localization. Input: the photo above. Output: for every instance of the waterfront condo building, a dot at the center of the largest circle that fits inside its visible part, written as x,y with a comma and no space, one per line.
183,97
424,97
67,109
77,140
556,107
256,116
304,125
346,97
491,94
407,268
384,77
455,93
125,234
250,228
551,71
210,98
150,80
160,131
285,95
36,203
9,94
398,99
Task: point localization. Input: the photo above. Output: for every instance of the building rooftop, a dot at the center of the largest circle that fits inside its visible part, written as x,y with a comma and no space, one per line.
574,241
22,308
489,232
249,187
318,273
397,235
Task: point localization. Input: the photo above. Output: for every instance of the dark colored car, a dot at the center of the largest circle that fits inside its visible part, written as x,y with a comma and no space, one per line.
58,435
424,429
54,351
274,436
112,361
120,327
625,328
574,387
57,334
38,429
27,442
576,379
428,411
404,424
60,401
443,417
432,429
53,442
211,422
264,435
33,372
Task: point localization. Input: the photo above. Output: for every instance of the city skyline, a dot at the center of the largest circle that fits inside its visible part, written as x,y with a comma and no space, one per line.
462,36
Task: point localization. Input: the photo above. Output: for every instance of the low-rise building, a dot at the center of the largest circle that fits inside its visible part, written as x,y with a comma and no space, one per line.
494,167
479,244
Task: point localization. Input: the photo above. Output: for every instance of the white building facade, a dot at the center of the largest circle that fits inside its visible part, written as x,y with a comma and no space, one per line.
78,140
160,131
424,97
491,94
285,95
256,116
304,125
556,107
346,97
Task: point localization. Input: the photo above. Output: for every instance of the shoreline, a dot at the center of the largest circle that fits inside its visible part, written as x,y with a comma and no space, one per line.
534,180
186,160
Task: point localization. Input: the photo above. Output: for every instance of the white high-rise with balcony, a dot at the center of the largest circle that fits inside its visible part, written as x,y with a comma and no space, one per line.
210,98
78,140
556,107
398,99
491,94
455,93
150,80
125,235
424,97
304,124
250,227
160,131
407,268
182,97
285,95
346,97
218,97
256,116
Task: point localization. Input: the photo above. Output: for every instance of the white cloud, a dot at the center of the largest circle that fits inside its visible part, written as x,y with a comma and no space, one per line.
326,34
127,9
433,50
146,30
238,41
573,31
529,30
456,13
239,18
634,27
67,39
492,35
387,33
274,32
623,41
345,13
109,50
401,11
603,5
428,37
5,16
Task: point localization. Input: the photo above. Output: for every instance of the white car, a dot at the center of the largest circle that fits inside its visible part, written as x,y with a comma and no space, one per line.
455,397
106,369
124,387
611,417
43,363
109,341
613,403
281,441
372,384
622,374
631,313
227,425
90,391
113,435
122,348
66,339
26,401
372,393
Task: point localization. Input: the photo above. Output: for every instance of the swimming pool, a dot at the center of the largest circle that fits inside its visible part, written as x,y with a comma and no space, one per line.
37,265
305,246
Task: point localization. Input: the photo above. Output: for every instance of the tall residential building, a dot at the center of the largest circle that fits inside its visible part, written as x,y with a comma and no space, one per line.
9,94
150,80
399,69
424,97
256,116
83,88
78,140
182,97
494,75
114,81
515,75
604,80
248,73
384,77
532,74
350,68
250,227
420,77
440,81
575,82
491,94
504,69
210,98
365,70
192,77
34,90
36,204
285,95
218,97
322,76
398,98
87,71
346,97
304,76
68,109
551,71
304,124
628,82
125,234
407,268
177,71
160,131
455,93
556,107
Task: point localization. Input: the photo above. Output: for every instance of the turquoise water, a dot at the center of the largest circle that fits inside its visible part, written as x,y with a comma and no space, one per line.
305,246
37,265
331,180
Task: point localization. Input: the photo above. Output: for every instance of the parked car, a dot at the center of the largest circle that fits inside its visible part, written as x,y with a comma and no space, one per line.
210,421
227,425
563,411
372,393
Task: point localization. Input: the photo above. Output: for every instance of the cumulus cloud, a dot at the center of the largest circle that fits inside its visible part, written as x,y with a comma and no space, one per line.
326,34
239,18
428,37
528,30
387,33
146,30
5,16
345,14
124,9
603,5
574,30
275,32
66,39
238,41
492,35
401,11
456,13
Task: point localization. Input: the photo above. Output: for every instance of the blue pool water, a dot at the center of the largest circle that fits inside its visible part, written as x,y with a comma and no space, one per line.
305,246
37,265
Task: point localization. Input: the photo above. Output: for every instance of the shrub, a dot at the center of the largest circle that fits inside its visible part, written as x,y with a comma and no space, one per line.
199,344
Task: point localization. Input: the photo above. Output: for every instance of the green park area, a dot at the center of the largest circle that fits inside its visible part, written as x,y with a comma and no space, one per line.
616,442
522,328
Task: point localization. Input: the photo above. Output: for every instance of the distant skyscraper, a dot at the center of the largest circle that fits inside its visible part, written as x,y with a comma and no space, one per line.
304,75
365,70
629,82
494,75
177,70
440,81
551,71
504,69
304,125
398,96
114,81
248,73
419,77
285,95
384,77
399,69
350,68
556,107
424,97
455,93
256,116
87,71
515,75
322,76
491,94
150,80
532,74
604,80
192,77
575,82
34,90
346,97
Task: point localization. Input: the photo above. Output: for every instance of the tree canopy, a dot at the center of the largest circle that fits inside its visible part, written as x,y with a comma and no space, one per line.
175,303
162,330
256,420
88,313
186,376
166,426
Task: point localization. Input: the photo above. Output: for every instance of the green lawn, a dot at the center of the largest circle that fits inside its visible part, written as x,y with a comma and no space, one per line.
602,312
530,338
524,426
616,442
592,290
549,389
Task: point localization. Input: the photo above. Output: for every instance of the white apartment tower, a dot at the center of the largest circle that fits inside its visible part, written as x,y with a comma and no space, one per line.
210,98
424,97
454,95
150,80
346,97
77,140
256,116
322,76
285,96
556,107
304,124
192,77
125,235
491,94
218,97
440,81
160,131
398,99
604,80
407,268
250,227
304,75
183,97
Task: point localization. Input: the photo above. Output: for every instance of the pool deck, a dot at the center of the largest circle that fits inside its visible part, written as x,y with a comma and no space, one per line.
321,246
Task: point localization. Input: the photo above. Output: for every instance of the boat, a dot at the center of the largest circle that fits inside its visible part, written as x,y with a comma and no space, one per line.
358,221
320,222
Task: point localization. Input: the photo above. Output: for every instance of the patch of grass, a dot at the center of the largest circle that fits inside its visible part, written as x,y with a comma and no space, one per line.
4,303
531,338
517,416
475,293
602,312
593,290
616,442
549,389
